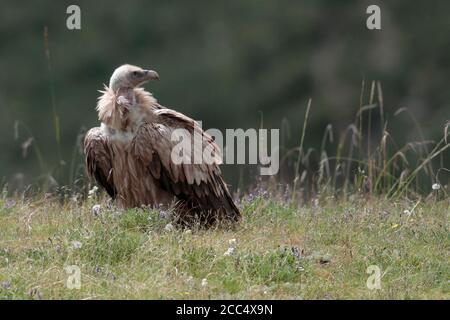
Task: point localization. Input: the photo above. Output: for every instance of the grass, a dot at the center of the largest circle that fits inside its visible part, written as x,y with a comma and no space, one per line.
318,251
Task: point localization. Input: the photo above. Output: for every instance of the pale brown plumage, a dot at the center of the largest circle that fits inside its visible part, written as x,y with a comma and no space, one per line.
130,154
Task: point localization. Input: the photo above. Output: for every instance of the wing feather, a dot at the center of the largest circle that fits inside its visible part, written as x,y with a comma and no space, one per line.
98,160
200,184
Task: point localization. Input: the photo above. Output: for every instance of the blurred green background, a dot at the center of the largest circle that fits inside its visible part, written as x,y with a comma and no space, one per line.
226,63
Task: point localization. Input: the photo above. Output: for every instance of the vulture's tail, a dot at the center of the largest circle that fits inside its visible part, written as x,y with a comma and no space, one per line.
208,211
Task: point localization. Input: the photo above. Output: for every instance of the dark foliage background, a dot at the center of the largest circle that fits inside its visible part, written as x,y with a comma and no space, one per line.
223,62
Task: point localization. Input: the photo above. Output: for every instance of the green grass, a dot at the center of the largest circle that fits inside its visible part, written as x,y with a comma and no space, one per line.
131,255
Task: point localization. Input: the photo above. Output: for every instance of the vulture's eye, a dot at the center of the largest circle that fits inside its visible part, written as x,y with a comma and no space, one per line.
135,73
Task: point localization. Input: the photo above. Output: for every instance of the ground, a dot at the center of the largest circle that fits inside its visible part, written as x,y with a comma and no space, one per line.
317,251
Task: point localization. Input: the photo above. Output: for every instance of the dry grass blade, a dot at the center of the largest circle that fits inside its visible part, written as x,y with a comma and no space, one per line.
297,167
446,131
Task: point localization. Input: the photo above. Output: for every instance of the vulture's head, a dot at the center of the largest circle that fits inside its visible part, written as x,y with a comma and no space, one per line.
128,76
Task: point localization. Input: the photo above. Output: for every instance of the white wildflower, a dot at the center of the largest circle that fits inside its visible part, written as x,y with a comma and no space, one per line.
231,247
229,252
95,210
232,243
93,191
204,282
436,186
407,213
316,203
168,227
76,244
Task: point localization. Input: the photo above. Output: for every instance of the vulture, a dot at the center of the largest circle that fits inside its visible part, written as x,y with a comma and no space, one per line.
130,154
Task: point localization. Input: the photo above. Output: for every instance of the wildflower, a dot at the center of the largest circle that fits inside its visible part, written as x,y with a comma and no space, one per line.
204,282
316,203
92,192
229,252
436,186
95,210
231,247
394,226
9,204
5,284
168,227
407,213
76,244
163,214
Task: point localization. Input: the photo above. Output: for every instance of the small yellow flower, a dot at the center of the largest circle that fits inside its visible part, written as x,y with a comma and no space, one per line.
394,226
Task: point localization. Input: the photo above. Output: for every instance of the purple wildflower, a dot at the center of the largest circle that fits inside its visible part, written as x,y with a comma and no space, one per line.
9,204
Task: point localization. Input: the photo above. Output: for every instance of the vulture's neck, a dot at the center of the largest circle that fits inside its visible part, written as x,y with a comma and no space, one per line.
113,117
129,94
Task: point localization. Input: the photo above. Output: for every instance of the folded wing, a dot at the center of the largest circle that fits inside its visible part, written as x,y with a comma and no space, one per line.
98,159
198,183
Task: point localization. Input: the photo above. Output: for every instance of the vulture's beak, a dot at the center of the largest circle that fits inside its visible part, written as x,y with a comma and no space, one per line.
151,75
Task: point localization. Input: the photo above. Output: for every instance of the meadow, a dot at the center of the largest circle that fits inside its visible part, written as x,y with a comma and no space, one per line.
279,251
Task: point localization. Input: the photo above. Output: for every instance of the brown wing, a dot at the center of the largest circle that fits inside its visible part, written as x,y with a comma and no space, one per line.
98,159
198,184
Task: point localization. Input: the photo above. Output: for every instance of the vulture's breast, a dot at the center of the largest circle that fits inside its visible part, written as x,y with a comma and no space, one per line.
117,135
130,125
135,118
